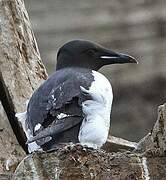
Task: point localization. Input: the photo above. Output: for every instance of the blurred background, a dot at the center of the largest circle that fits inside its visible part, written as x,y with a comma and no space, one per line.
129,26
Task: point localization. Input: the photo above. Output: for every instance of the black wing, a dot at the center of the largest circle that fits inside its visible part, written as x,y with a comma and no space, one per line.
58,95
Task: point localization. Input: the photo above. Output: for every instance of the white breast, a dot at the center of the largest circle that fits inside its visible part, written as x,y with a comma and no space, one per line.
95,126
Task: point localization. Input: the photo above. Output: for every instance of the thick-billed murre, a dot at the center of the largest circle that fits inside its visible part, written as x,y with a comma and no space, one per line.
74,103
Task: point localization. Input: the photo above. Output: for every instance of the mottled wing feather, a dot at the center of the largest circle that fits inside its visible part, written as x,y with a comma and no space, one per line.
63,94
59,100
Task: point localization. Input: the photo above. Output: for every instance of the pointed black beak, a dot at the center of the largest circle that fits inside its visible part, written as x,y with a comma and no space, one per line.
111,57
125,58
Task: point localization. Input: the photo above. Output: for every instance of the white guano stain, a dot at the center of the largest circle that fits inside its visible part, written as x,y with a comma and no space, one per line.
145,168
8,164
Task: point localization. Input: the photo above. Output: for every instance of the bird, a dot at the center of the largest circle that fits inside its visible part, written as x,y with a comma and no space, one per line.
74,104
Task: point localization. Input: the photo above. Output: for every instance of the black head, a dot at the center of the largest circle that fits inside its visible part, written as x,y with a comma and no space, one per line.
86,54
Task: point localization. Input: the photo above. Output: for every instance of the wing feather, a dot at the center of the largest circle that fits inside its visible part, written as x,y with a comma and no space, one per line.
61,93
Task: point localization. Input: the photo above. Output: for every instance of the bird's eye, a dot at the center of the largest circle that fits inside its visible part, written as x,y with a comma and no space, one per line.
91,51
